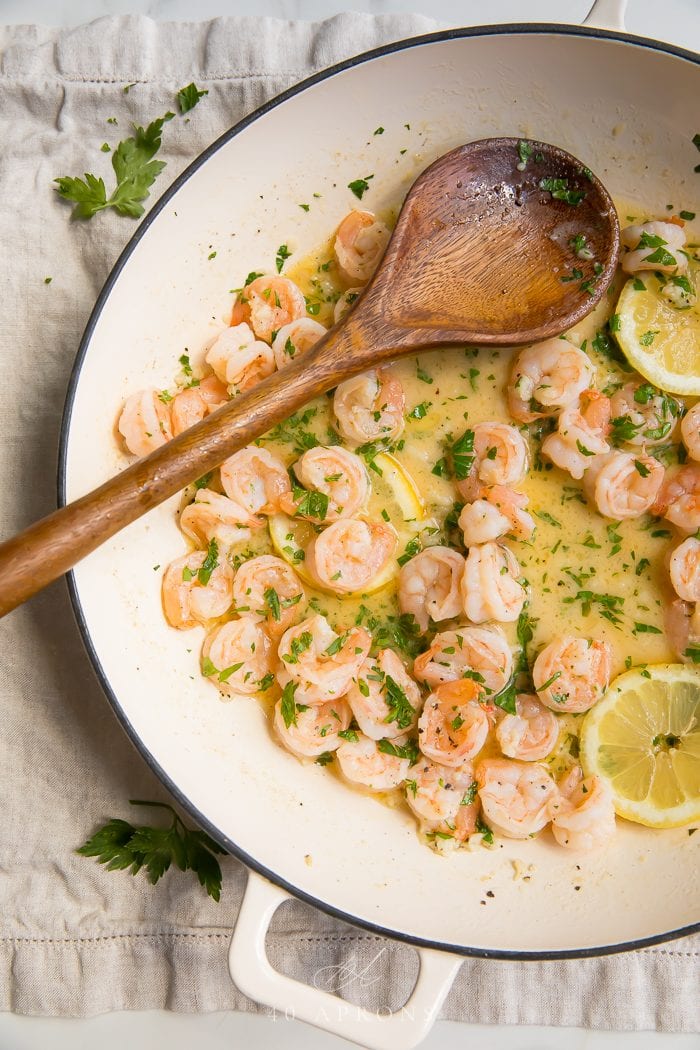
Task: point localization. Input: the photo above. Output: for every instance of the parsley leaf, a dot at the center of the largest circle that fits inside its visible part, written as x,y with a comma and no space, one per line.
188,97
401,710
120,845
360,186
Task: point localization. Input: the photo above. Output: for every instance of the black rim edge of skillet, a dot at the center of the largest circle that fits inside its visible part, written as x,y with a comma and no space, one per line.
534,28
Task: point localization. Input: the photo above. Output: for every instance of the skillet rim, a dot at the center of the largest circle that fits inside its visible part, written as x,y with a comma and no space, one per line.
515,29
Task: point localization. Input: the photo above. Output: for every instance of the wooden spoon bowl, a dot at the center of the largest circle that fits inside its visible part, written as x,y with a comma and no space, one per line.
499,242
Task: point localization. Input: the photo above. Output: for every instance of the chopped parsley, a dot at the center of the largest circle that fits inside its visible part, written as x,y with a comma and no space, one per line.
283,253
188,97
360,186
559,188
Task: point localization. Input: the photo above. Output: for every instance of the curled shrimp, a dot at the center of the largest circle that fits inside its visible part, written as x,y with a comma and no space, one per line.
572,674
359,245
191,594
682,623
684,569
516,797
500,457
653,246
443,799
384,698
363,764
643,415
336,473
531,733
429,585
623,485
193,404
453,725
583,817
369,407
267,304
238,359
347,555
214,517
344,303
145,423
482,653
311,731
237,657
269,590
321,662
690,431
490,588
581,434
296,338
499,511
679,498
547,377
255,480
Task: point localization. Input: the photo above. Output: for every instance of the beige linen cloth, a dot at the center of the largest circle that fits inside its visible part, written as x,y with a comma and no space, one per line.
74,938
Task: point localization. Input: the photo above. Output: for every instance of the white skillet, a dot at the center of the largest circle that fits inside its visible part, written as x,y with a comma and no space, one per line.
628,107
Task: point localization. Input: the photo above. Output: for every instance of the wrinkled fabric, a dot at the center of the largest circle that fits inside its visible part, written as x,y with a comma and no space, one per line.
76,940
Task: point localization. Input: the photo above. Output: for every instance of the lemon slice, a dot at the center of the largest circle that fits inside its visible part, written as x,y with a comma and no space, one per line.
659,340
395,498
643,738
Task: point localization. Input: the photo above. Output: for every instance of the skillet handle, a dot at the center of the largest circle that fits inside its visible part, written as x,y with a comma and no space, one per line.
252,973
607,14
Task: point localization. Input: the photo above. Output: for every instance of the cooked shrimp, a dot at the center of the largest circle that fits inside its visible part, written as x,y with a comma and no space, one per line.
267,304
256,480
444,799
584,817
191,594
144,422
684,569
653,246
296,338
547,377
384,698
214,517
500,457
362,763
345,302
269,590
490,588
572,674
338,474
429,585
369,407
238,656
679,498
347,555
191,405
682,623
359,245
531,733
321,662
642,415
311,731
690,431
479,652
516,797
581,434
623,485
499,511
187,408
239,359
453,725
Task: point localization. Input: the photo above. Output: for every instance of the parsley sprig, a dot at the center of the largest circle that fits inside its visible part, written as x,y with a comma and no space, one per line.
121,845
135,169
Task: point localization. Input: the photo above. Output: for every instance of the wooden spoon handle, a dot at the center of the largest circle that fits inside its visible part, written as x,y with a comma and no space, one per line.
44,551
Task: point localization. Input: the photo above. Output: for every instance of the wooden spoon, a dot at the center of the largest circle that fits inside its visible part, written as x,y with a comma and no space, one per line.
483,253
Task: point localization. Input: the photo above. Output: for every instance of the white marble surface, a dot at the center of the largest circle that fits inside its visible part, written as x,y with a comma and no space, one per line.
677,21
